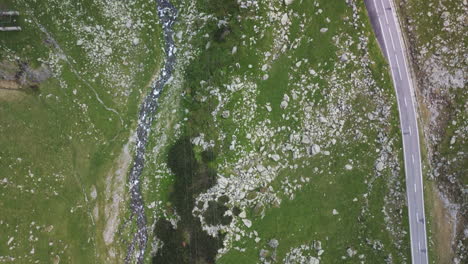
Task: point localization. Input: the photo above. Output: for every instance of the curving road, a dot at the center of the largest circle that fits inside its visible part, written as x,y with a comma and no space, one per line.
387,29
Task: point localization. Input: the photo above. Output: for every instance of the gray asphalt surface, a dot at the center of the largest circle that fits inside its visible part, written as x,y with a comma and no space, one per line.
388,32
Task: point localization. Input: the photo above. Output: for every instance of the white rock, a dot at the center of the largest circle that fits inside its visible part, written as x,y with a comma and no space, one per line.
247,222
314,260
268,108
260,168
323,30
275,157
242,214
108,51
226,114
288,2
93,192
351,252
335,212
452,141
273,243
234,50
315,149
284,19
284,104
79,42
348,167
344,57
379,166
136,41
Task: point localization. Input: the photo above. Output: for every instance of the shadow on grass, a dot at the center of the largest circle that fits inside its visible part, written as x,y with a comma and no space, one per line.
189,243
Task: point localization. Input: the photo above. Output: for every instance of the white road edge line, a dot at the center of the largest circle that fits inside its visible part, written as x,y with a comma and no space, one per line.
406,104
409,127
415,187
412,158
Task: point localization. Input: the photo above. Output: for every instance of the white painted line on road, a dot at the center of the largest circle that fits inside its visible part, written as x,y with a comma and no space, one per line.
409,130
419,246
417,216
398,66
415,187
412,157
406,104
393,43
385,13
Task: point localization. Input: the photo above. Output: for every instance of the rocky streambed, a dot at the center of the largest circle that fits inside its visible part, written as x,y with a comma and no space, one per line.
167,14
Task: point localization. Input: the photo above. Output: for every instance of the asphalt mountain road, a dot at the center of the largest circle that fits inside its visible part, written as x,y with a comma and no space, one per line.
387,29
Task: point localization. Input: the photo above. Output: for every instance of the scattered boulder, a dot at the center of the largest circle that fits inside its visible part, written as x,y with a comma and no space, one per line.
314,149
379,166
351,252
273,243
317,245
242,214
348,167
264,253
284,104
247,222
313,260
284,19
453,140
344,57
108,51
323,30
226,114
260,168
275,157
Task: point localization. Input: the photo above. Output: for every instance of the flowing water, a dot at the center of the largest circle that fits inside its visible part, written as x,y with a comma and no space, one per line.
167,14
